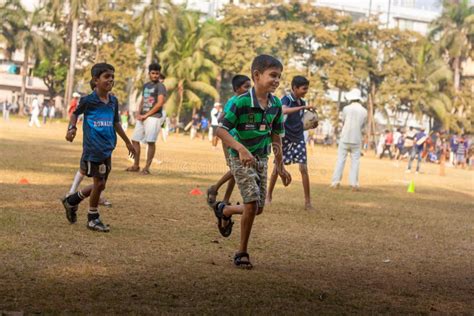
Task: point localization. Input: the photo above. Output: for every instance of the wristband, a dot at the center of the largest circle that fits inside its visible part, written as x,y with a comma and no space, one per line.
71,127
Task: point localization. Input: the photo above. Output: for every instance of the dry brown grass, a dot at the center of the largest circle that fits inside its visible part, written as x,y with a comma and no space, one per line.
381,250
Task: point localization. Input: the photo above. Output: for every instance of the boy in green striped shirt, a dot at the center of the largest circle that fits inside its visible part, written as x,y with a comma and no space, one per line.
257,118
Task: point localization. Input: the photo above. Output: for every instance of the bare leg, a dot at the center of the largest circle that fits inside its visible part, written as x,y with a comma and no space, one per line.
271,185
230,188
226,177
98,187
149,157
305,178
136,161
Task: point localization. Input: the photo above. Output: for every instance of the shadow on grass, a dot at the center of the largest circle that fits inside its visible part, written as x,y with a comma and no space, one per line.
164,254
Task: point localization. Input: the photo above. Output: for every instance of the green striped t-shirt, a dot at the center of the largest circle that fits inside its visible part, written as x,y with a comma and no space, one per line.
253,125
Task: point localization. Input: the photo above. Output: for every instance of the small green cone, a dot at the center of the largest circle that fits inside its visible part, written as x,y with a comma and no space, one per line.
411,187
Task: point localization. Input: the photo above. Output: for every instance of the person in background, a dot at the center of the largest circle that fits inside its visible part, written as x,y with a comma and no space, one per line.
52,110
45,112
215,113
74,103
388,142
417,151
461,152
195,122
35,111
204,126
354,117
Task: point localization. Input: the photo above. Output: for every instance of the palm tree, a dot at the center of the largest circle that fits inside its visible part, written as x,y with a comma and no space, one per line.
75,10
33,39
430,74
11,14
187,65
455,29
152,22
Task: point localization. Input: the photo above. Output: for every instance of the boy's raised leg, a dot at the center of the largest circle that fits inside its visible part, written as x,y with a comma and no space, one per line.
229,190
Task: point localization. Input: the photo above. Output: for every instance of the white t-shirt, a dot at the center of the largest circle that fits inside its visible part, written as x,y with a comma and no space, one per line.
215,116
396,137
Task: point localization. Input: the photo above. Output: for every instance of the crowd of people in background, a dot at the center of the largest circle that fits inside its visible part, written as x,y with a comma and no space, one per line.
435,147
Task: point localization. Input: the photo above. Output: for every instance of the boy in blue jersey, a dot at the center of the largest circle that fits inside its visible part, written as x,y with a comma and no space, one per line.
294,145
101,123
240,84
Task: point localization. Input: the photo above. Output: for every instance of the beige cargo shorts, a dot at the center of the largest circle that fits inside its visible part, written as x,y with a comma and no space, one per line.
252,181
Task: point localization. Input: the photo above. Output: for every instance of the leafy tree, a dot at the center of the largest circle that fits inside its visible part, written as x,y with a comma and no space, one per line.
187,66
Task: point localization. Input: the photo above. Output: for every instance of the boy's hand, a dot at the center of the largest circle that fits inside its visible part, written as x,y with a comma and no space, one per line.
140,117
246,158
131,150
71,134
285,176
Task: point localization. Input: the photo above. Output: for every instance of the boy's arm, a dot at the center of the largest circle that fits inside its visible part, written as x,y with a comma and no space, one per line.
288,110
277,151
158,105
277,132
228,123
71,129
123,135
245,156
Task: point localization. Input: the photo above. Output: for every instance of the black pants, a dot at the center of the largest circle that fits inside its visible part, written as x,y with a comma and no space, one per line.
386,147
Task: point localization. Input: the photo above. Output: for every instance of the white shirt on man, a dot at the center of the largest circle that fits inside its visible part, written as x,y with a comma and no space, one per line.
355,117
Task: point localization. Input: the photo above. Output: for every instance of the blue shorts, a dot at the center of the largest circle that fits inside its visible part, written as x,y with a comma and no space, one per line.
294,152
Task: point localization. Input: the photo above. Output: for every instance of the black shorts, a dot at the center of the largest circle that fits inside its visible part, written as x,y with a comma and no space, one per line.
96,169
214,129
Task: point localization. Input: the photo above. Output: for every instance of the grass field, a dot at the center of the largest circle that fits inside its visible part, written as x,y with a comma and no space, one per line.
381,250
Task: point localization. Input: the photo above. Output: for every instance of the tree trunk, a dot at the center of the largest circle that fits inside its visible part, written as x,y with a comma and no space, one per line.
180,104
457,74
149,55
370,115
218,85
24,75
72,67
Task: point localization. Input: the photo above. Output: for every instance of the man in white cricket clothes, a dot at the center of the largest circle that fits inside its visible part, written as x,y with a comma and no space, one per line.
35,112
354,116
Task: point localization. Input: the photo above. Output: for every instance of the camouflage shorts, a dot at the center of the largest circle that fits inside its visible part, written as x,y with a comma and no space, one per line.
252,181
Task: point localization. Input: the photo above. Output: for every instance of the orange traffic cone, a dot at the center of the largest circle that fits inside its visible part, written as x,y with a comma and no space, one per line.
23,181
196,191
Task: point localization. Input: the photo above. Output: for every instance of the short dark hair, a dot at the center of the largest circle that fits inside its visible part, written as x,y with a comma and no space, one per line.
299,81
100,68
264,62
238,81
154,67
161,76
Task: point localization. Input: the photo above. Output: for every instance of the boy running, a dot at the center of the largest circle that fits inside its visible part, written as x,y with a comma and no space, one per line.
258,122
101,123
149,118
240,84
294,145
80,174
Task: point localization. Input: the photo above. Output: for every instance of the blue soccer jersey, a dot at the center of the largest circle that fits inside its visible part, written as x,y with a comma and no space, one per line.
98,127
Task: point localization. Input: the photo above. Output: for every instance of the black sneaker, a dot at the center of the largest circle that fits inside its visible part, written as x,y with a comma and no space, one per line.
71,210
98,226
